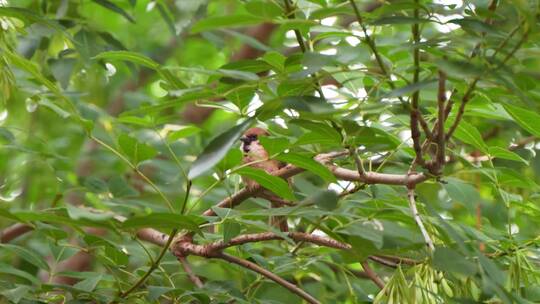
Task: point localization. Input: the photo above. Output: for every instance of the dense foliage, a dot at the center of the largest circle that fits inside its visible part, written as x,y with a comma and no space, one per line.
410,128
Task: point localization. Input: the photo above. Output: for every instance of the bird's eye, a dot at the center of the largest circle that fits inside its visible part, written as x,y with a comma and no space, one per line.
252,136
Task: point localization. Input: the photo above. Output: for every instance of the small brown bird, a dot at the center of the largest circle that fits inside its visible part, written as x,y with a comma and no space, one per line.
257,156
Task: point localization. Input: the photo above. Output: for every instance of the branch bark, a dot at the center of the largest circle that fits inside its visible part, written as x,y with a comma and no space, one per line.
372,275
256,268
418,220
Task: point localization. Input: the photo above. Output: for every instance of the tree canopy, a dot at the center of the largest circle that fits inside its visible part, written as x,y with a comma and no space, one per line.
409,130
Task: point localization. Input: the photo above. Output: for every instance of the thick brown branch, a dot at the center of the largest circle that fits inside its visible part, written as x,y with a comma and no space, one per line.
267,236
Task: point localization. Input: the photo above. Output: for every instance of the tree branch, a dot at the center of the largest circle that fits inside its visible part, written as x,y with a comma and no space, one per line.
372,275
441,142
418,220
14,231
414,112
191,275
256,268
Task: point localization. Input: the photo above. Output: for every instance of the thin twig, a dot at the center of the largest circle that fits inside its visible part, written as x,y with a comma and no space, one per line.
418,220
357,161
373,47
414,112
191,275
372,275
468,94
395,259
449,105
270,275
289,12
441,143
153,267
165,248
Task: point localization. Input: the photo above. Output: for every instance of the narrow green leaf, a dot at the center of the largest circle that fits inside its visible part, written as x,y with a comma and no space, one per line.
115,8
135,150
16,294
128,56
409,89
163,220
29,256
217,149
266,9
220,22
467,133
325,199
528,120
273,183
167,16
274,145
88,285
8,269
499,152
230,230
185,131
398,20
308,164
459,262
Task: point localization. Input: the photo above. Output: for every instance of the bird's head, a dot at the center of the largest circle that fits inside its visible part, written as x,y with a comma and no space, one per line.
250,136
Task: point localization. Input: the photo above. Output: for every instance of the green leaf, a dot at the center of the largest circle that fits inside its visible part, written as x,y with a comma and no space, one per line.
528,120
128,56
467,133
265,9
32,69
88,285
167,16
29,256
8,269
459,68
474,25
163,220
448,260
325,199
275,59
273,183
461,192
213,23
217,149
185,131
308,164
77,213
119,187
16,294
134,150
499,152
320,133
115,8
409,89
95,184
398,20
274,145
230,230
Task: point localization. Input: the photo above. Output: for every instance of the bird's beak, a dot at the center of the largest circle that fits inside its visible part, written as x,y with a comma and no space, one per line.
244,139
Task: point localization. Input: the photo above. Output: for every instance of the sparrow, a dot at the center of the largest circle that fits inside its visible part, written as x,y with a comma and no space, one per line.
256,156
